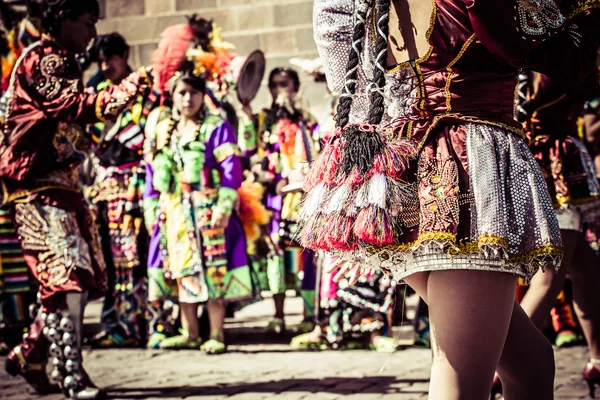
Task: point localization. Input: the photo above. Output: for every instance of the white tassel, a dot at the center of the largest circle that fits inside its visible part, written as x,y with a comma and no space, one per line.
339,199
313,201
378,190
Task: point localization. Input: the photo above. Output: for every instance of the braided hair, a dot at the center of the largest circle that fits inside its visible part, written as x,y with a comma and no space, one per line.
363,143
342,116
55,12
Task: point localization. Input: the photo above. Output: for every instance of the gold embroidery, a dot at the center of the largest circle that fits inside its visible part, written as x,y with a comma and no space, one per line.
226,150
466,247
588,5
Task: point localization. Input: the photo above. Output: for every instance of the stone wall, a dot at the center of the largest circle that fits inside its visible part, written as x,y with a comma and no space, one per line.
281,28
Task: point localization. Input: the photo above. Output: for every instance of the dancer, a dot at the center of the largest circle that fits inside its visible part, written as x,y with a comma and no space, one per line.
280,141
116,194
554,110
47,107
196,170
460,204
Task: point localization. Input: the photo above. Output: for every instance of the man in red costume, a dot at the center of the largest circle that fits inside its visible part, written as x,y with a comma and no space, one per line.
42,137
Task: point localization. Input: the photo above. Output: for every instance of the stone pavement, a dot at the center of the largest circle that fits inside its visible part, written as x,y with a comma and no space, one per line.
257,367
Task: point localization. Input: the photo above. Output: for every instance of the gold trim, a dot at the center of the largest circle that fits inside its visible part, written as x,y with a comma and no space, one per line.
225,150
588,5
462,51
470,246
432,19
544,106
517,131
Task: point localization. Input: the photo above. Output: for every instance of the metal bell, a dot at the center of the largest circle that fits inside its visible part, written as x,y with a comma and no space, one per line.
55,351
45,331
44,316
68,339
71,353
70,382
32,311
57,363
53,335
52,320
72,365
78,376
66,324
55,376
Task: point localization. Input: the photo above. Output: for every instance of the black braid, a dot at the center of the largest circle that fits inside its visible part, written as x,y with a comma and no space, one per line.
345,103
381,46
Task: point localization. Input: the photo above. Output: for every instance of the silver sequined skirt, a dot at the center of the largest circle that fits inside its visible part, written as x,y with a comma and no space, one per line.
480,203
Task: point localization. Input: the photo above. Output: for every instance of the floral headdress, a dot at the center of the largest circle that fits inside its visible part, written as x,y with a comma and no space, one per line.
200,42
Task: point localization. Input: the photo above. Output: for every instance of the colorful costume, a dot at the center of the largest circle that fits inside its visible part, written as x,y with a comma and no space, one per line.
116,194
194,176
568,168
41,148
284,146
450,180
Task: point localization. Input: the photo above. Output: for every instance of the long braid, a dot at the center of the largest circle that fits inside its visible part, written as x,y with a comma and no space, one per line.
345,103
381,50
363,143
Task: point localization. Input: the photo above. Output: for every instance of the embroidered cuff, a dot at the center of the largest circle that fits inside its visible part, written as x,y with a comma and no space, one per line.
225,150
227,200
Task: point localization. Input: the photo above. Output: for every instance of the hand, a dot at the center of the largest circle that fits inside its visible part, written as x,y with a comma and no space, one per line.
247,109
279,188
219,220
346,268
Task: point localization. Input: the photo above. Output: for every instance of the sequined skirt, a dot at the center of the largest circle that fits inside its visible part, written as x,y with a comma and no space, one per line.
478,201
570,174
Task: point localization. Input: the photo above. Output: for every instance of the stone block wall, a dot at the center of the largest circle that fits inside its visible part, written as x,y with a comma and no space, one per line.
281,28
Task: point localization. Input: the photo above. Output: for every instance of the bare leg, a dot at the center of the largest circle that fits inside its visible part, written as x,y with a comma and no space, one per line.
216,315
545,286
585,275
189,319
526,367
527,362
456,373
279,300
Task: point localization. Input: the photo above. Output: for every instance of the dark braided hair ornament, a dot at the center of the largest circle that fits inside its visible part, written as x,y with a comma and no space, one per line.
355,187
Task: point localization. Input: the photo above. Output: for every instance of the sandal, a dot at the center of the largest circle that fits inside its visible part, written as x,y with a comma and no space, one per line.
305,326
276,326
213,346
155,339
307,341
180,342
384,344
566,338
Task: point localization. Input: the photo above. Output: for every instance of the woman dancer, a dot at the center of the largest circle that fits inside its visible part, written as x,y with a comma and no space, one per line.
554,110
471,213
197,171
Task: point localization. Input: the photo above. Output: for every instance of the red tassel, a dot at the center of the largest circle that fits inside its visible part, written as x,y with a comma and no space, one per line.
374,226
355,178
324,168
340,235
312,235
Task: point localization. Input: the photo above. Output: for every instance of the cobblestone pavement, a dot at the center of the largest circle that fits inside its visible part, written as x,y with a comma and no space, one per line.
254,371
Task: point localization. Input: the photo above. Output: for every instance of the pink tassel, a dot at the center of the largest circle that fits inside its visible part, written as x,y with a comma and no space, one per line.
355,178
374,226
340,235
324,168
312,235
